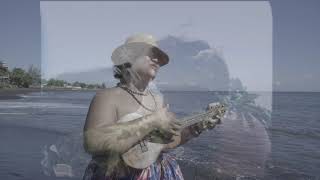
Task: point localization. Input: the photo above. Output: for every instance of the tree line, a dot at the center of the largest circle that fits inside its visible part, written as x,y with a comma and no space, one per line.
20,78
61,83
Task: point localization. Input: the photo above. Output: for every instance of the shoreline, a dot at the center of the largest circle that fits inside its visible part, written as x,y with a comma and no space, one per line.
15,93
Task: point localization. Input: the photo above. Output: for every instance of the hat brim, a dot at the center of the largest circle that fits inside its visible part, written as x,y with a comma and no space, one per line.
138,48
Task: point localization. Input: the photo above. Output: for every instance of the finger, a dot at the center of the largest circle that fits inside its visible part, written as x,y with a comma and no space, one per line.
176,125
168,134
214,120
176,128
177,122
174,132
204,126
196,130
210,123
211,126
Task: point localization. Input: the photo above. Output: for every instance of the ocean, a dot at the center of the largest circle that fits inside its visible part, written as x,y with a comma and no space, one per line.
264,135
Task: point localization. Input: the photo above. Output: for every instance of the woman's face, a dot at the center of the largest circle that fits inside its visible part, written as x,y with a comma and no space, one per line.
146,66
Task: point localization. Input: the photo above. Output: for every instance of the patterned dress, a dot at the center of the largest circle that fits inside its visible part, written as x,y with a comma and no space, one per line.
165,168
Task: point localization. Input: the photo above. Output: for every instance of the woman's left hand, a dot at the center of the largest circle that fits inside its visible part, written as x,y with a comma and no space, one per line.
199,127
175,142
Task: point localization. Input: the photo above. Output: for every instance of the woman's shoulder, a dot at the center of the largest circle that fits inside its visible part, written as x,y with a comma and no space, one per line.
111,92
108,96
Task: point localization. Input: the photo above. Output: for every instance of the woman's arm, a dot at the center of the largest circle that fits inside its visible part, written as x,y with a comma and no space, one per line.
101,132
185,135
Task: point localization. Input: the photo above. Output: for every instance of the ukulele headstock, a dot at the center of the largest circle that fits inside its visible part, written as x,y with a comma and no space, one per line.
216,110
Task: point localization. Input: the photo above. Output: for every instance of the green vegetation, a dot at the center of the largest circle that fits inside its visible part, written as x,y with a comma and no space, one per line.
19,78
35,75
56,82
64,84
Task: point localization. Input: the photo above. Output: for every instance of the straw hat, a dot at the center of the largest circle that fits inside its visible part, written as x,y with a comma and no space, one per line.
136,45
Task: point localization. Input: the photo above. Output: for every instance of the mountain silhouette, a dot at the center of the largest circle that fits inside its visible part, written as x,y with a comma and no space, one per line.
193,65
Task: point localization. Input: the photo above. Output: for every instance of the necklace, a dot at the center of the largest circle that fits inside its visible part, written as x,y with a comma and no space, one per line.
139,102
134,92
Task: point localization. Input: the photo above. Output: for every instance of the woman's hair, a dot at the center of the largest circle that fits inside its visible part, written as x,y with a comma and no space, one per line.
120,71
123,71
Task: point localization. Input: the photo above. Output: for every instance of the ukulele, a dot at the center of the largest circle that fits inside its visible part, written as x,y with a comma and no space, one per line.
146,151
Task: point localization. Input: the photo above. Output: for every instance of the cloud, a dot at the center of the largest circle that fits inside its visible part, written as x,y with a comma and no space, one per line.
206,54
187,24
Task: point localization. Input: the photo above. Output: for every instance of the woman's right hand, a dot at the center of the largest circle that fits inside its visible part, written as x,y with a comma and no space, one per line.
166,121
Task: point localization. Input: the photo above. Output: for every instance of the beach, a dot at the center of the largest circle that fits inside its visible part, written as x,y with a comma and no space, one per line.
15,93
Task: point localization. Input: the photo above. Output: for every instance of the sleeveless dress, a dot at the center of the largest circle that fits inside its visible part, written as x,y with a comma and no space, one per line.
165,168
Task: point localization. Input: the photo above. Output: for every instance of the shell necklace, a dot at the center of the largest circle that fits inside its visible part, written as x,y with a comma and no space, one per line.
131,92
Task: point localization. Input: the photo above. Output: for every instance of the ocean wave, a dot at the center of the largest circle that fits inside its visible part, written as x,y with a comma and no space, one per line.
29,96
10,104
296,132
12,113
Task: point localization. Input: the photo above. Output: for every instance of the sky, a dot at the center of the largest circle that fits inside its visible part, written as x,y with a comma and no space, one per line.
295,23
84,34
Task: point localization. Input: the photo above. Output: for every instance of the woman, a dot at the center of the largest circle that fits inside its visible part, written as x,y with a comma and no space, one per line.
119,117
